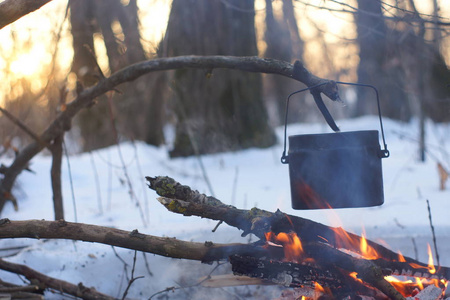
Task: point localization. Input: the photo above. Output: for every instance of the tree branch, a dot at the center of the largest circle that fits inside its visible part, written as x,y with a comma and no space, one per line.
55,173
169,247
20,124
12,10
53,283
63,120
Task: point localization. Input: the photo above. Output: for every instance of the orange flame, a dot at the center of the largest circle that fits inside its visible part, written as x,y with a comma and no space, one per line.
408,287
405,287
346,241
292,246
310,197
401,258
431,267
367,251
318,288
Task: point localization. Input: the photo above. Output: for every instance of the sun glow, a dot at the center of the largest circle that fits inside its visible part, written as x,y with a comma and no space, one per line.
26,64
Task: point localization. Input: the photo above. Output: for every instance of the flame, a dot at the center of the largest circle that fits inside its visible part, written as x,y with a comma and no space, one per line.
405,287
431,267
359,246
401,258
419,283
346,241
355,276
367,251
309,196
318,288
292,246
410,287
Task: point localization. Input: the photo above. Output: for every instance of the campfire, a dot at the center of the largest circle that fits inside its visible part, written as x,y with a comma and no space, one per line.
311,260
409,282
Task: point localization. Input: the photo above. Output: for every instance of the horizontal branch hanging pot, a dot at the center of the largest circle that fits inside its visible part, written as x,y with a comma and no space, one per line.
335,170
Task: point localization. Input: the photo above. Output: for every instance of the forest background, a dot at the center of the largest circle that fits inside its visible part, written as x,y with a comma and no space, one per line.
52,59
401,47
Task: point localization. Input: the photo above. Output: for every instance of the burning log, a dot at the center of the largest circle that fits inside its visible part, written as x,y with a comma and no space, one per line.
285,273
182,199
321,243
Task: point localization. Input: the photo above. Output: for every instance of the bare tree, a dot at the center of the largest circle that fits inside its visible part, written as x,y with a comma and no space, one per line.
119,28
222,110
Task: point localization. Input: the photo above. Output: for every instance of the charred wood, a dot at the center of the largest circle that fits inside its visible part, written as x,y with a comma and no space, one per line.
182,199
285,273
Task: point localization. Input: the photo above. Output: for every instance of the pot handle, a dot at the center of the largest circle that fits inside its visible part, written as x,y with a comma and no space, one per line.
323,109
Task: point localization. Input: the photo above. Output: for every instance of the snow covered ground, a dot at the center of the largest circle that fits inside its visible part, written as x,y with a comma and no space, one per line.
253,177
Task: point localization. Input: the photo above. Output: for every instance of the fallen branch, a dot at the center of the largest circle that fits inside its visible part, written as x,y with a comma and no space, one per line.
63,121
169,247
45,282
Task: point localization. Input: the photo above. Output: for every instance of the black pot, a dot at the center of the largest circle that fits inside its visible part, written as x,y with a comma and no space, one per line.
335,170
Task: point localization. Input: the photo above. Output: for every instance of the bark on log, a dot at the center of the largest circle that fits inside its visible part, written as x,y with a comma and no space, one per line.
63,120
169,247
12,10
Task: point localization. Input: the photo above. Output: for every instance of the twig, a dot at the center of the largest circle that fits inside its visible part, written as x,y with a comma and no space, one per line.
144,186
416,253
48,282
131,192
169,289
14,248
125,265
235,182
198,284
133,279
433,234
21,125
194,145
217,226
97,183
147,266
27,288
74,203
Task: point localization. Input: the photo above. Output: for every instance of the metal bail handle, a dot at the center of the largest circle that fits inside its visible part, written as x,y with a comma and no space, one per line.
285,159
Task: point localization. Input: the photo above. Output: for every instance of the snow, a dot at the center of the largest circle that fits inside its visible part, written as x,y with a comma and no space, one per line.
253,177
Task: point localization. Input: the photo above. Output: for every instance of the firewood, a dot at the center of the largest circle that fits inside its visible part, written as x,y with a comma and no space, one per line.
285,273
182,199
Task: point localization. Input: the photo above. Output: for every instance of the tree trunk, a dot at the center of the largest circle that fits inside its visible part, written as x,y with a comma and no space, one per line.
221,111
283,42
378,65
123,48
